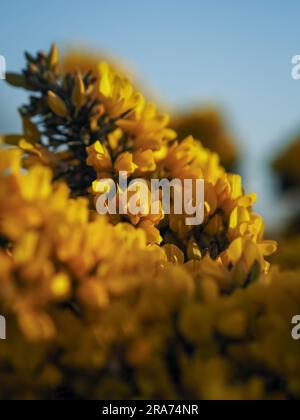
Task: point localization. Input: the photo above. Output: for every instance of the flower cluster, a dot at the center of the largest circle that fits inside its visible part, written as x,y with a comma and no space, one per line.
94,313
130,306
50,241
91,127
231,232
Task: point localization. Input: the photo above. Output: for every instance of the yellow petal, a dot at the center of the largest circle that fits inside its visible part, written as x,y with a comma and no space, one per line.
247,200
145,161
268,247
114,138
152,233
105,86
53,56
29,147
235,250
236,185
124,162
174,254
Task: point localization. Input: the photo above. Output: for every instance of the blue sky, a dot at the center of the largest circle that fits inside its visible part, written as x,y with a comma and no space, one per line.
228,52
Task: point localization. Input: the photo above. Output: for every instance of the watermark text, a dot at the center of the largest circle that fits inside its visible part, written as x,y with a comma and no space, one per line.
142,198
296,328
296,67
2,328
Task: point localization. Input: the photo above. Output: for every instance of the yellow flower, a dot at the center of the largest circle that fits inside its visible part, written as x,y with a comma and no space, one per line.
149,128
174,254
114,138
144,161
124,162
69,279
117,92
152,233
230,230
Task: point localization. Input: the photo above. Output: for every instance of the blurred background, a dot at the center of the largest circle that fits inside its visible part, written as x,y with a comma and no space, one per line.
222,69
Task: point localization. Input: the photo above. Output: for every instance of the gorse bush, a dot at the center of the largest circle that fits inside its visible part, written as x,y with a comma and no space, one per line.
130,306
90,127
